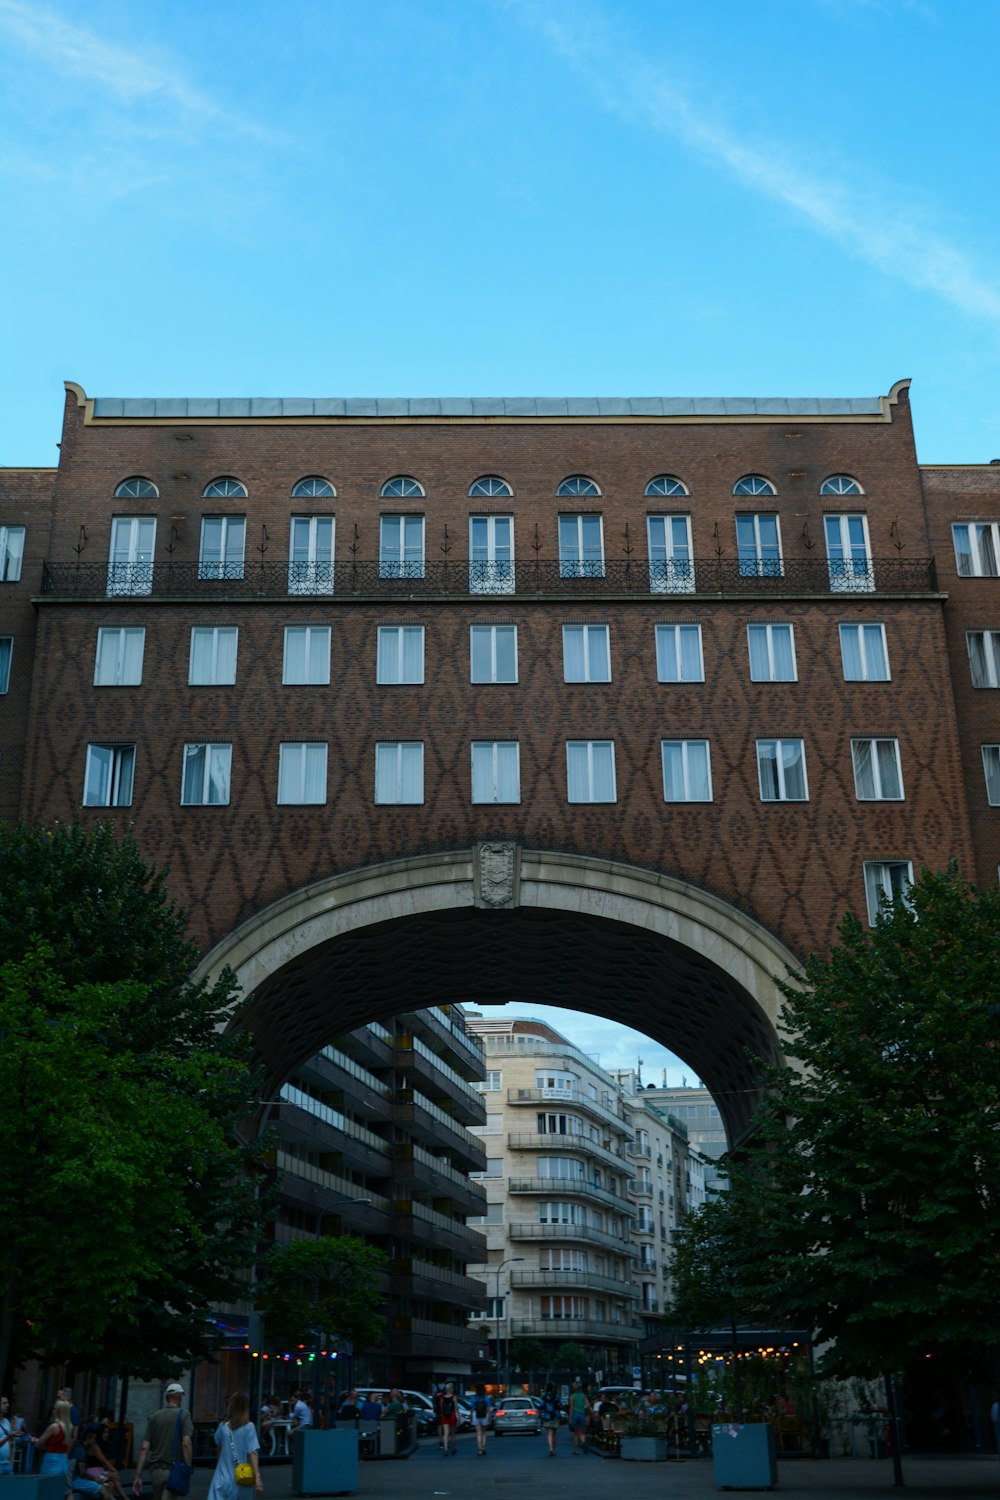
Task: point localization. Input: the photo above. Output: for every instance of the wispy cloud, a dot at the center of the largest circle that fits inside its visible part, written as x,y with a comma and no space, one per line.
873,223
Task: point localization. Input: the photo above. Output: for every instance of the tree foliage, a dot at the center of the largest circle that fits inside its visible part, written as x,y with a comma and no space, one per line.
867,1205
330,1286
128,1209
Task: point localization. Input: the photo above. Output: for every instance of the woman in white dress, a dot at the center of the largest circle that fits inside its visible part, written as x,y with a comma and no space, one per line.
237,1442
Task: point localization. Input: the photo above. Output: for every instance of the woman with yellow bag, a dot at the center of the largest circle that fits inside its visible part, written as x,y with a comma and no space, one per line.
238,1468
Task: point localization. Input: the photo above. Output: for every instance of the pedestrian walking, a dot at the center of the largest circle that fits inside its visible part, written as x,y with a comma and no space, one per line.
482,1411
167,1430
448,1420
6,1438
238,1467
579,1411
551,1409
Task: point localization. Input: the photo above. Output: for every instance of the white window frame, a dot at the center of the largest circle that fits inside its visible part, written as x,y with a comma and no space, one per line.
288,752
390,754
491,752
849,553
113,652
874,761
493,678
11,553
391,655
980,556
883,883
401,558
216,770
590,746
216,632
316,656
991,770
573,559
861,627
491,556
587,631
130,555
759,566
671,565
311,573
120,783
669,652
6,661
983,647
227,566
769,628
779,764
686,776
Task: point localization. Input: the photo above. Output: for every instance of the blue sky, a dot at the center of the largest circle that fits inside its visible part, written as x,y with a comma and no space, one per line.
514,197
613,1045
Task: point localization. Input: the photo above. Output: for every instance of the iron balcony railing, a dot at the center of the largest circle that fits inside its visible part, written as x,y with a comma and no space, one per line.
458,577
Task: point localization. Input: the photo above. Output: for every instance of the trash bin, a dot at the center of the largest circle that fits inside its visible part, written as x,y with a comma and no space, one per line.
325,1462
744,1456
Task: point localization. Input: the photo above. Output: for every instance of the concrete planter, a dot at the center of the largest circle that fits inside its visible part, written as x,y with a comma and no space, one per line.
649,1450
324,1463
35,1487
744,1456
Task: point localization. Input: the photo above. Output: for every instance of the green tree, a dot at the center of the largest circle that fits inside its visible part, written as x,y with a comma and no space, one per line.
870,1193
527,1355
570,1357
331,1285
128,1209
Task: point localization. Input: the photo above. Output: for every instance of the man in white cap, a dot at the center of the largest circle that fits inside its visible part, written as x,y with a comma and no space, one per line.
158,1444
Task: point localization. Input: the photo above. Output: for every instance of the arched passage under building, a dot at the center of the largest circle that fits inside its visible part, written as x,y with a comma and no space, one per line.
496,923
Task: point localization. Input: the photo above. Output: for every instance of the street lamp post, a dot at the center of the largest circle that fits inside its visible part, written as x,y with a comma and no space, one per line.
496,1298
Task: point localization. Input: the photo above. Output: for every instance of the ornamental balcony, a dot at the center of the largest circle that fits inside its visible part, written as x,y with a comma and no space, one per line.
573,1281
572,1187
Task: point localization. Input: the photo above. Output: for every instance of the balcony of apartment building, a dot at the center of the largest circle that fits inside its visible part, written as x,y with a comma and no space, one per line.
578,1144
584,1234
417,1276
440,1027
307,1183
338,1072
422,1225
574,1188
639,1150
576,1328
303,1118
431,1339
640,1188
429,1125
544,1278
370,1045
644,1224
571,1099
422,1064
419,1173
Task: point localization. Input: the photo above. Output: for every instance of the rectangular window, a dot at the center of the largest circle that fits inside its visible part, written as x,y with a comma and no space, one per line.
984,657
399,772
781,767
205,781
561,1213
494,1166
11,553
222,543
496,771
772,653
566,1167
977,549
758,544
130,561
213,655
119,657
581,547
563,1309
886,881
310,555
109,775
493,1215
848,554
863,653
590,770
400,654
586,653
687,775
491,554
6,655
401,547
307,656
877,774
557,1083
562,1258
492,1083
493,653
991,767
302,774
678,654
494,1123
671,570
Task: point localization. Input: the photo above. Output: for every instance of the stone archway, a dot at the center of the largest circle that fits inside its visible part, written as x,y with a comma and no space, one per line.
496,923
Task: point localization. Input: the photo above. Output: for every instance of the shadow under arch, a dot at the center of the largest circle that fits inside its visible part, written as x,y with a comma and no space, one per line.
497,923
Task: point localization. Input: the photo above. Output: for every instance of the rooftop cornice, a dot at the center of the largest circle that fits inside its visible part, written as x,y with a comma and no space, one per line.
256,410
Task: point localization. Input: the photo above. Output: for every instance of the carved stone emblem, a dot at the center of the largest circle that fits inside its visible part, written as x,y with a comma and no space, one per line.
497,869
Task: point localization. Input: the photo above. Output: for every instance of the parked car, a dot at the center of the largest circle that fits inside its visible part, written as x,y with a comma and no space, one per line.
422,1406
516,1414
464,1413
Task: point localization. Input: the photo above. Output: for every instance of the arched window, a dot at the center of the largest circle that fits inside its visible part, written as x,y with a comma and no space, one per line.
490,484
314,487
840,484
225,489
401,488
754,484
665,484
578,484
136,489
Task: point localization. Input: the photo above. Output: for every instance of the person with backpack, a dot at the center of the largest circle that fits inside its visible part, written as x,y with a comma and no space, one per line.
448,1420
551,1410
482,1412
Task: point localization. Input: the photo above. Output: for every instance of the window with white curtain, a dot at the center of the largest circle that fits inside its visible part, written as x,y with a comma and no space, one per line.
109,776
758,545
307,656
561,1213
11,553
877,773
678,654
671,570
586,653
977,549
781,767
560,1166
206,776
991,769
399,772
493,653
222,542
401,547
213,655
863,653
581,547
984,657
119,657
310,555
772,653
496,771
687,775
400,654
590,770
302,773
6,656
886,880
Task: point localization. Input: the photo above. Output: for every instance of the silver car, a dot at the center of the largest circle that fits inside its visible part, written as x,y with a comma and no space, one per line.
516,1414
